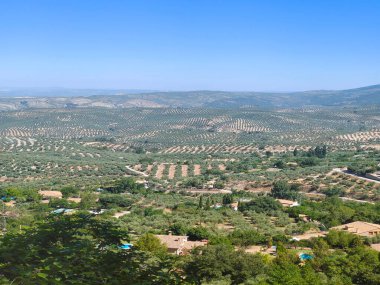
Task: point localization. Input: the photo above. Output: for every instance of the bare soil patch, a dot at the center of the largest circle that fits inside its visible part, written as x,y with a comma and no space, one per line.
184,169
197,169
222,167
172,168
149,168
160,171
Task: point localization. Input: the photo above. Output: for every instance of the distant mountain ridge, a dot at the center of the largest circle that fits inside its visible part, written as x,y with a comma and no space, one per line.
17,99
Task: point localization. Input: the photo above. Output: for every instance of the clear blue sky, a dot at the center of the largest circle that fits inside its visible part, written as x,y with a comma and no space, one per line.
188,44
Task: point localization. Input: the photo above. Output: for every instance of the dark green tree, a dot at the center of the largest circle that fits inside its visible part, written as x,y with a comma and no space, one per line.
200,204
149,242
283,190
208,203
227,199
78,249
214,263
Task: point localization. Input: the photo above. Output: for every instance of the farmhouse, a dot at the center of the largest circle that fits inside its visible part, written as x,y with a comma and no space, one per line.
363,229
288,203
179,245
189,245
174,243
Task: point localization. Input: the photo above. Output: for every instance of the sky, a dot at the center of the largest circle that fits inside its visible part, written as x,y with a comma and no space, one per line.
251,45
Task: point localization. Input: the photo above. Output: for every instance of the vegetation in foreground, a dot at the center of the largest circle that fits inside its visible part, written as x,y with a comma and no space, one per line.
42,246
83,249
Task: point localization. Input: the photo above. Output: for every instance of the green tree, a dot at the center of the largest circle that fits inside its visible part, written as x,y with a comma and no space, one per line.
178,228
115,200
125,184
344,240
308,161
68,191
227,199
261,204
198,233
280,164
149,242
200,204
78,249
88,200
214,263
282,190
208,203
246,237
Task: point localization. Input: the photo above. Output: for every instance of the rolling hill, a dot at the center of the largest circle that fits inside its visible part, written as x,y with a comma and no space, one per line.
17,99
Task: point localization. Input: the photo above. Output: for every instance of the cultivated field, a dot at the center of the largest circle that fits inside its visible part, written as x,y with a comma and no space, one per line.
168,145
174,130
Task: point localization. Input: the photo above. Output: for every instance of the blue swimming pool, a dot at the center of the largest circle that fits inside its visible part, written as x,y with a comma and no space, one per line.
305,256
126,246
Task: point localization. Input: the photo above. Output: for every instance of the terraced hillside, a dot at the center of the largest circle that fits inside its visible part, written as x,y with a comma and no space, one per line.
24,98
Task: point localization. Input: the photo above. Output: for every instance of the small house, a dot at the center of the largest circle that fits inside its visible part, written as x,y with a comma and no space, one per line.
359,228
179,245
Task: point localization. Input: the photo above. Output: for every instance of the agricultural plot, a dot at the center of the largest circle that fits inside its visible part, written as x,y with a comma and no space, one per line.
91,144
200,130
350,186
172,171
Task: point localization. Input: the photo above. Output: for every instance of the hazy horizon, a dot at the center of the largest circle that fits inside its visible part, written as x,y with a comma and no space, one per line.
142,90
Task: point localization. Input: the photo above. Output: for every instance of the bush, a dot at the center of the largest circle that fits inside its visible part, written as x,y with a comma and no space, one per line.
221,262
362,168
178,229
341,239
150,243
333,192
308,161
246,237
193,182
126,184
282,190
69,191
111,201
261,204
198,233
